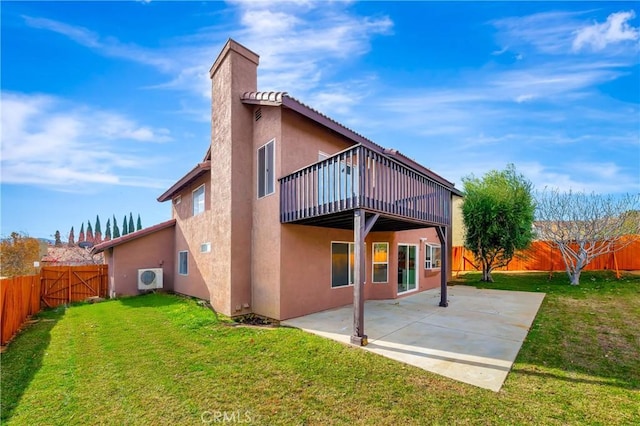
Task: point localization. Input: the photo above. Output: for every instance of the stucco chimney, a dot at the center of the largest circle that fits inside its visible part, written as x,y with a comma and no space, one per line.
232,192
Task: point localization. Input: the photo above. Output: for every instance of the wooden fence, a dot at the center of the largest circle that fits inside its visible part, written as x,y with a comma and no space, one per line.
541,256
23,296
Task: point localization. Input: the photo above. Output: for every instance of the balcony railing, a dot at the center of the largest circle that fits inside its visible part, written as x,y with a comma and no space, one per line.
362,178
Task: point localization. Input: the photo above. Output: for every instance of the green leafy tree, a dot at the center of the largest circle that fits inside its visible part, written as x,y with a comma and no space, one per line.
125,227
131,225
107,232
139,224
498,212
116,230
19,251
81,235
58,241
98,230
72,238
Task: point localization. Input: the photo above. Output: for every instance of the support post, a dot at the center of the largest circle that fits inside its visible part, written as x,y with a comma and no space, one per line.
444,250
361,227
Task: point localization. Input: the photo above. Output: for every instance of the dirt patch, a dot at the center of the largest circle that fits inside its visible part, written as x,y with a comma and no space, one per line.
256,321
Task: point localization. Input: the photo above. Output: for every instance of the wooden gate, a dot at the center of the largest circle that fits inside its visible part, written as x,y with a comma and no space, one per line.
66,284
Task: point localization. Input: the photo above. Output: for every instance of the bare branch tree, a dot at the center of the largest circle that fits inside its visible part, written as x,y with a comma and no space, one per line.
585,226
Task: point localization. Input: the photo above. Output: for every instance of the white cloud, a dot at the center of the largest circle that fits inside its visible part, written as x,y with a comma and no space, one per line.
599,36
51,142
107,46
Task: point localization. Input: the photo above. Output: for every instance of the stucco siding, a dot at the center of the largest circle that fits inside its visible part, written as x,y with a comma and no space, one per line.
150,251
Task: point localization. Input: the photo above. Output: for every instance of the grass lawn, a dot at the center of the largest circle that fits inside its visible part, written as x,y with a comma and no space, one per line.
162,359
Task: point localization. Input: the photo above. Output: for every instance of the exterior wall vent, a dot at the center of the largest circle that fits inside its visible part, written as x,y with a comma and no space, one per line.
258,114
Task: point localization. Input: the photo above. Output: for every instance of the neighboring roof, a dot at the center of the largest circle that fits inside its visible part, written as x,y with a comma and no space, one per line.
69,255
283,99
132,236
196,172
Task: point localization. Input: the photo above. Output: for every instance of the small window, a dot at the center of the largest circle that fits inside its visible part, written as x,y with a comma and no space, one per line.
432,256
198,200
266,169
380,262
342,264
177,200
205,247
183,262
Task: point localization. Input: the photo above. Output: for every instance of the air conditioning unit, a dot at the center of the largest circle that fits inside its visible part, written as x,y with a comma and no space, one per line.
149,279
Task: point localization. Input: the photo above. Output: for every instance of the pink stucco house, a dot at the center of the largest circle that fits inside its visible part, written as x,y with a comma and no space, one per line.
290,212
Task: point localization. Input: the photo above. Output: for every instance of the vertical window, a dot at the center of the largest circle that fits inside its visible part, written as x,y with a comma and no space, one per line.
432,256
198,200
266,169
183,262
342,264
380,262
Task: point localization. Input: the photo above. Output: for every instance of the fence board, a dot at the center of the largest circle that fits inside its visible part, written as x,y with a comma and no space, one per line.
20,298
541,256
23,296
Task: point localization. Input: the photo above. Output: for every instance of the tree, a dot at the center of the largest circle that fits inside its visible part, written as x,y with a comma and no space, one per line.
81,236
125,228
131,225
72,240
116,230
19,251
97,230
58,241
139,223
585,226
90,236
107,232
498,213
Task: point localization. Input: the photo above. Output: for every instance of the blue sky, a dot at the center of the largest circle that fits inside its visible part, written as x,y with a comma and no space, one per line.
106,104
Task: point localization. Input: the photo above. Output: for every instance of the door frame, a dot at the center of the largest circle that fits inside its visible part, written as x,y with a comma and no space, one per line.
415,265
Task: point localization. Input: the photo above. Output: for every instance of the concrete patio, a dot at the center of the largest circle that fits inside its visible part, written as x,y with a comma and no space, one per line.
475,340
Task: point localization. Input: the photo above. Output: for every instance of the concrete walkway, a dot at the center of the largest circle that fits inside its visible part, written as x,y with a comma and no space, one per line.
475,340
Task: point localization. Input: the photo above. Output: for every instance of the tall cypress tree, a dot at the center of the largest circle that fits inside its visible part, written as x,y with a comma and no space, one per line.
139,224
81,236
90,237
125,228
58,241
97,230
131,225
72,238
107,232
116,230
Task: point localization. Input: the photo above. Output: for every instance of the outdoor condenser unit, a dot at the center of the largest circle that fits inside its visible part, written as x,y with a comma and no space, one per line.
150,278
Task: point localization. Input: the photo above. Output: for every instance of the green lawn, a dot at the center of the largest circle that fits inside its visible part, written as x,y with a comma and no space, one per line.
162,359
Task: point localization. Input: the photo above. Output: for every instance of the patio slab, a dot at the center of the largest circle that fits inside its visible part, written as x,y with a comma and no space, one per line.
474,340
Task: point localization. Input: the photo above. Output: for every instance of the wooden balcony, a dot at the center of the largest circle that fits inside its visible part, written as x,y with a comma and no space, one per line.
326,193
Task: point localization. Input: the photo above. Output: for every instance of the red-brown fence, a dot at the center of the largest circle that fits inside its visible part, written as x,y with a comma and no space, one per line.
542,256
19,298
56,285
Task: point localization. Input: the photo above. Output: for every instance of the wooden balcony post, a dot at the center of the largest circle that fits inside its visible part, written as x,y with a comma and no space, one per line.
358,337
444,250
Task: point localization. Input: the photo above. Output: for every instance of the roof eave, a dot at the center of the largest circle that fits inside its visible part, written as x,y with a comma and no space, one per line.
98,248
196,172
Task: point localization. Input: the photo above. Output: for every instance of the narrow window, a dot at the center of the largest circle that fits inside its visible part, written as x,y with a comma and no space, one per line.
432,256
380,262
183,262
342,264
198,200
266,169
